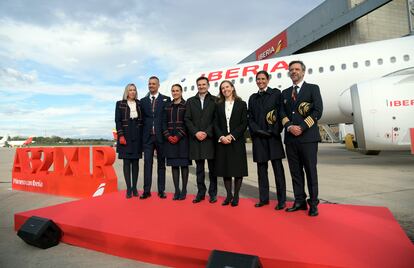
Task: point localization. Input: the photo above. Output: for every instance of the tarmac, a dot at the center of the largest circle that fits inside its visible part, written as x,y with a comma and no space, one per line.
345,177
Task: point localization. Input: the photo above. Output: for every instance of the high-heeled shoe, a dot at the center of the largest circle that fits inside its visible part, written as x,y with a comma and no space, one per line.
235,202
227,200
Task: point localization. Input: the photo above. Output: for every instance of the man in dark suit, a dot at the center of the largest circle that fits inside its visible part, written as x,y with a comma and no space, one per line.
152,107
300,111
199,118
265,128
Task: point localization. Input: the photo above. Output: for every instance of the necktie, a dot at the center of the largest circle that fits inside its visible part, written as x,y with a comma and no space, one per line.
295,93
153,116
153,103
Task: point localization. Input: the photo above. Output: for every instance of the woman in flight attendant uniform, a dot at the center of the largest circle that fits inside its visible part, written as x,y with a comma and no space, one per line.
128,122
229,126
176,149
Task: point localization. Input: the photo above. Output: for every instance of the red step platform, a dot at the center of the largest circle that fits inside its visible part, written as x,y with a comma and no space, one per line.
182,234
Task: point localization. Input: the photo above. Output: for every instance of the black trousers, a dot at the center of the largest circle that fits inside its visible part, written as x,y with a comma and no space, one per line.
280,180
302,158
148,160
200,174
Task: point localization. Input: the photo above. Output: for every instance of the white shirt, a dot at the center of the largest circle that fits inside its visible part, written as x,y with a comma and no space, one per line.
132,109
228,108
299,85
202,100
156,96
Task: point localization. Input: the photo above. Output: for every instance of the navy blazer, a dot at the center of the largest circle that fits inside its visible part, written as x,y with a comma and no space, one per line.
155,118
290,114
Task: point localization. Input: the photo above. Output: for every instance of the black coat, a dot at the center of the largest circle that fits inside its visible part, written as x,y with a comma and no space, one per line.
173,125
231,159
265,148
290,116
149,118
197,119
132,131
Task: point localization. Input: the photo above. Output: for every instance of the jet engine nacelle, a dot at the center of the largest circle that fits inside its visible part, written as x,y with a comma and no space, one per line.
383,111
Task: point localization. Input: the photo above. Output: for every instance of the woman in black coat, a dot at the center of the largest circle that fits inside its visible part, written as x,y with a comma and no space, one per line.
229,126
128,120
176,149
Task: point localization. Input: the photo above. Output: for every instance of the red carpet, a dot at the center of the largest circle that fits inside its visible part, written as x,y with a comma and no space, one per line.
182,234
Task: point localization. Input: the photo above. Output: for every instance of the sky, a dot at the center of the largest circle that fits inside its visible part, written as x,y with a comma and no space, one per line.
64,64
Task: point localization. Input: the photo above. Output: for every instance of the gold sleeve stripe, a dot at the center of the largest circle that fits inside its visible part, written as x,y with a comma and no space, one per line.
309,121
285,120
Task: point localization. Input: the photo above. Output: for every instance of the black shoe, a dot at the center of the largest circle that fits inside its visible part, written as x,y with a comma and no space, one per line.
128,194
162,195
183,195
280,206
176,196
198,199
235,202
313,210
261,204
227,201
145,195
135,192
213,199
297,206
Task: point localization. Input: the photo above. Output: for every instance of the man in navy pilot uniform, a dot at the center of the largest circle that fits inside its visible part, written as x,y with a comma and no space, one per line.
152,107
301,108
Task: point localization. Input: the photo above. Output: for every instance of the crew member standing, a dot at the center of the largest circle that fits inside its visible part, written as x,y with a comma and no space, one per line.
300,111
153,106
265,128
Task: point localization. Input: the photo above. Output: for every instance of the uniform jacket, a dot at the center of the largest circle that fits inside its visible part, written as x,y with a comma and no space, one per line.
122,114
290,116
173,125
155,118
265,149
197,119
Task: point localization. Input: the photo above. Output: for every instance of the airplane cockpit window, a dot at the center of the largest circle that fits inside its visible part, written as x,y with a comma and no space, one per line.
216,84
393,59
241,80
321,69
406,57
250,79
355,64
192,88
332,68
310,71
380,61
367,63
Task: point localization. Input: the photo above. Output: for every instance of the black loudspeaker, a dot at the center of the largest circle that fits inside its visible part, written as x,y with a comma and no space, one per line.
40,232
225,259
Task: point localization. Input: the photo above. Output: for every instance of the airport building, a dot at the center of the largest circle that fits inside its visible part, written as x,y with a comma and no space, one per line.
340,23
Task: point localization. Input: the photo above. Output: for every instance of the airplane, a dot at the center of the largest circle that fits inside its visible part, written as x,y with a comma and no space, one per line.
20,143
3,141
368,85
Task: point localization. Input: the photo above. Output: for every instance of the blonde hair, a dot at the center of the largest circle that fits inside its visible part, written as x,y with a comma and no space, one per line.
125,96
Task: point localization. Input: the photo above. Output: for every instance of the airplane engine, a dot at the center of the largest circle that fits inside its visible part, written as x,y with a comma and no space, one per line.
383,112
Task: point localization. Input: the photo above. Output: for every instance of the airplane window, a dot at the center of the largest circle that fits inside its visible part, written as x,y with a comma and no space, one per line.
270,76
367,63
233,81
192,88
185,89
250,79
241,80
216,84
406,57
287,73
310,71
332,68
355,64
279,75
321,69
279,86
380,61
343,66
393,59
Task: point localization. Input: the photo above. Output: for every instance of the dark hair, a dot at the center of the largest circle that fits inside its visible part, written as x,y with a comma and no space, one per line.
221,97
203,78
177,85
263,72
154,77
298,62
